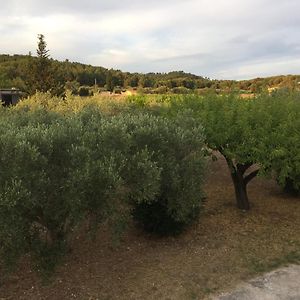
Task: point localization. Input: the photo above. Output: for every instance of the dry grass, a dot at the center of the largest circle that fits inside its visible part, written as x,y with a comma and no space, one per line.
247,96
225,247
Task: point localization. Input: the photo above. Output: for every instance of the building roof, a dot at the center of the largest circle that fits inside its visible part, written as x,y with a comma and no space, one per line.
10,91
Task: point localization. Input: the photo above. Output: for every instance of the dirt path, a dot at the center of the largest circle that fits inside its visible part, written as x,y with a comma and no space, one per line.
282,284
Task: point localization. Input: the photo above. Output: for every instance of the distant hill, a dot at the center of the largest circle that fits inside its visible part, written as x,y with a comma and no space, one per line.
15,69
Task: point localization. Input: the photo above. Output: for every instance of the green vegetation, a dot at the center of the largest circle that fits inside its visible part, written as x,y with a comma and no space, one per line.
71,166
257,266
68,160
284,141
233,128
255,135
59,170
16,70
177,149
42,73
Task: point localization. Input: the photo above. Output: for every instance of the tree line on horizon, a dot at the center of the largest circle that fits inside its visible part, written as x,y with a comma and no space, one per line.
31,73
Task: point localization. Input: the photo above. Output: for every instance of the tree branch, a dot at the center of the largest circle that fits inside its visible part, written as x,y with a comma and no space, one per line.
244,167
250,176
230,164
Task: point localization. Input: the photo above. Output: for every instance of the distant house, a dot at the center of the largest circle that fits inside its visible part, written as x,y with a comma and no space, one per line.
9,96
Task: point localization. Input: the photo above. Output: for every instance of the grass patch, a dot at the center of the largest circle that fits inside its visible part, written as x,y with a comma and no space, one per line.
257,266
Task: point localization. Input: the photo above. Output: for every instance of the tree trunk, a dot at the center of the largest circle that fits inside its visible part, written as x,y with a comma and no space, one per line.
289,188
240,181
240,188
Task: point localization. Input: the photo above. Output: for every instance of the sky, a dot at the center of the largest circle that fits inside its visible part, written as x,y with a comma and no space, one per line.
220,39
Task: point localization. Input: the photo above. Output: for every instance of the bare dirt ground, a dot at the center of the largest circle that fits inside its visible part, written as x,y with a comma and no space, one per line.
282,284
226,247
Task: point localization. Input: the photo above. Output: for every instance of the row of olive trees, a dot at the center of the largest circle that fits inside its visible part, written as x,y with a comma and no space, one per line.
58,172
260,135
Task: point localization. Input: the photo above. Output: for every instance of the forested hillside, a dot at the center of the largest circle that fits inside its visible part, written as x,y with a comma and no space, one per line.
17,71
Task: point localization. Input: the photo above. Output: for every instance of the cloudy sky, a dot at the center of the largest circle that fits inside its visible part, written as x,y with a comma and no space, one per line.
224,39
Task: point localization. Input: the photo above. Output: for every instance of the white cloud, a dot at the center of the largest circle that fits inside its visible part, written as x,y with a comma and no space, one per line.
213,38
262,69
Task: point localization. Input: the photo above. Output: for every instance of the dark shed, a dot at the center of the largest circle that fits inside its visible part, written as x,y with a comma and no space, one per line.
9,96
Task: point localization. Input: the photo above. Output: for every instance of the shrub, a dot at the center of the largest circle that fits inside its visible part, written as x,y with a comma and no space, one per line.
118,90
177,148
181,90
58,171
112,168
36,195
161,90
84,91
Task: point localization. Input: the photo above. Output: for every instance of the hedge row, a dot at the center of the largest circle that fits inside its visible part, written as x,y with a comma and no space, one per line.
57,172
